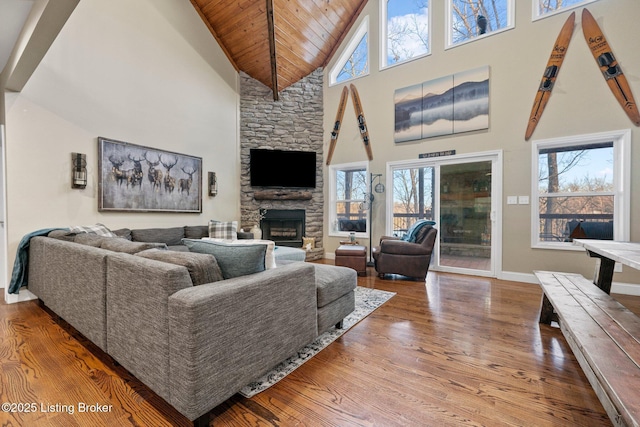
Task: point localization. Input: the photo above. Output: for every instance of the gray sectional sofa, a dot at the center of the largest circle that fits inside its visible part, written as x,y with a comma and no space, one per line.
194,345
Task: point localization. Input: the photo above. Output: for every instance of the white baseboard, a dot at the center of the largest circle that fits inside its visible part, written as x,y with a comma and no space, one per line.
24,295
625,289
518,277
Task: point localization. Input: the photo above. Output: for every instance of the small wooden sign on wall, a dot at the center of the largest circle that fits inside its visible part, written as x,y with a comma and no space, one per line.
437,154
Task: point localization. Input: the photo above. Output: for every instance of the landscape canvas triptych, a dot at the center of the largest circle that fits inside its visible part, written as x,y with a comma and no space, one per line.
444,106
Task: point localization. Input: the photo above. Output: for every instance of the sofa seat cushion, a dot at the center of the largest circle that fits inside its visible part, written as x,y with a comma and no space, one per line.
203,268
234,260
332,282
123,245
171,236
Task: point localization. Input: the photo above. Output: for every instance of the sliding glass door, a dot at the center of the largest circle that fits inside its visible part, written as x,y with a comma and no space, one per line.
465,215
458,193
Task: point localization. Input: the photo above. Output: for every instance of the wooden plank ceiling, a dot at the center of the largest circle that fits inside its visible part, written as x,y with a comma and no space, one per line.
278,42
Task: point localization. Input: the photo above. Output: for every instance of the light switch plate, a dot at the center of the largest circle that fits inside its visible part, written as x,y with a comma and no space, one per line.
523,200
512,200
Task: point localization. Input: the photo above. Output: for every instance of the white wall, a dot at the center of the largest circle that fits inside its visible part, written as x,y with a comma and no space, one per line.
581,103
147,72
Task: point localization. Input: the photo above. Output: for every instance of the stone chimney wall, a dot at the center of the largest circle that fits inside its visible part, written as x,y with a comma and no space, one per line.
294,122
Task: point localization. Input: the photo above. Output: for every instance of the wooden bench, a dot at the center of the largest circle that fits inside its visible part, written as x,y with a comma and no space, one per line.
604,337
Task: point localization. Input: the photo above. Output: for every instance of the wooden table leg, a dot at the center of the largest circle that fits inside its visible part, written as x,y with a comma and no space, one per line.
604,277
546,311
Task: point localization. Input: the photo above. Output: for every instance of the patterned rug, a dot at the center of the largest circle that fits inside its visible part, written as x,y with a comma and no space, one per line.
367,300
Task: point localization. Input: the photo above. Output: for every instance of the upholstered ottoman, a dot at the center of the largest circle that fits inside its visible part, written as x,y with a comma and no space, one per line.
285,253
352,256
336,297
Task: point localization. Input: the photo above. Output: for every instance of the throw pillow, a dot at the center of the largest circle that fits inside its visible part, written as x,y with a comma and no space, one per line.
62,235
123,245
269,259
203,268
99,229
90,239
234,260
412,232
223,230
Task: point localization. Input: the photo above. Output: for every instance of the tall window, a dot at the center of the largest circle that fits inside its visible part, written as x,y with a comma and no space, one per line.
544,8
469,19
354,61
349,205
405,29
581,189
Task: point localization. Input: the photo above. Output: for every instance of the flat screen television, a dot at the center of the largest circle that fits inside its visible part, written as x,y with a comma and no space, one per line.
280,168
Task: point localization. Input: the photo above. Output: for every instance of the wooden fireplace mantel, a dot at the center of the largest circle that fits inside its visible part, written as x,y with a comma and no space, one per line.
282,195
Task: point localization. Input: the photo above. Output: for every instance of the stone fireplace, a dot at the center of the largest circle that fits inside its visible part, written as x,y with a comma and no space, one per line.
285,227
292,123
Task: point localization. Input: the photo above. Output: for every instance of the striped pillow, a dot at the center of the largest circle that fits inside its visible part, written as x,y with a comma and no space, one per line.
99,229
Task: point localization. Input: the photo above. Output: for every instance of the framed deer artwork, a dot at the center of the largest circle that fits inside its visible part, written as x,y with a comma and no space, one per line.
133,178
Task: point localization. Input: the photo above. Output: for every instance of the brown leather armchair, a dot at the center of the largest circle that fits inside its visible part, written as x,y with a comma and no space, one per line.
396,256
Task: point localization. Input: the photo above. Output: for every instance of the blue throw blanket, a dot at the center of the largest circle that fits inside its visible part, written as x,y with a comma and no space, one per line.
21,265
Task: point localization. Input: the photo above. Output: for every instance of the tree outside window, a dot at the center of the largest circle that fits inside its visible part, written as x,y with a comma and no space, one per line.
472,18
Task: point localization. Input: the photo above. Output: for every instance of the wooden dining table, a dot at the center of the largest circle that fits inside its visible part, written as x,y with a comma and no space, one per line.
610,252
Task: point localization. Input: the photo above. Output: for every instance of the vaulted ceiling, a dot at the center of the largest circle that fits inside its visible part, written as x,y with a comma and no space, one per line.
278,42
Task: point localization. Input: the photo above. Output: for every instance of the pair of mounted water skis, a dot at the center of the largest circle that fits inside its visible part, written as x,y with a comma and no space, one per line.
362,124
604,57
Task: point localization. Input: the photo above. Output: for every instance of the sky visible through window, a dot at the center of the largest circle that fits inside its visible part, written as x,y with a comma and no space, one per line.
407,29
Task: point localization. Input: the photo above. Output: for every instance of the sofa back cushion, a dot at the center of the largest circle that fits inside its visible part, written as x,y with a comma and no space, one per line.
203,268
196,231
171,236
234,260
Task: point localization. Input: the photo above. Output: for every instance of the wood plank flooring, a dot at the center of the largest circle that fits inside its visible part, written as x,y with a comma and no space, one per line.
458,350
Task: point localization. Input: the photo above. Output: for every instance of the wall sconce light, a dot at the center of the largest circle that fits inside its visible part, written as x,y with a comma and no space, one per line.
78,170
213,184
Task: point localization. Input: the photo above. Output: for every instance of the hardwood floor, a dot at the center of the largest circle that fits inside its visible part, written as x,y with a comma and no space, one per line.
459,350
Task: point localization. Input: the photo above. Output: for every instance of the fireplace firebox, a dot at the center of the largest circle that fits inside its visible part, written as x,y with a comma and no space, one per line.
286,227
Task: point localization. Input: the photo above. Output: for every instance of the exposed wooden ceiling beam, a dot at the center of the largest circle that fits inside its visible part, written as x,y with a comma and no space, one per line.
272,49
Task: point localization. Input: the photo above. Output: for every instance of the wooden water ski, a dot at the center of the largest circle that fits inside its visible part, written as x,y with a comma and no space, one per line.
609,66
362,124
550,74
336,126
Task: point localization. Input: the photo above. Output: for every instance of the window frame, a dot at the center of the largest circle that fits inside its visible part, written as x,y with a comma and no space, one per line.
449,44
536,16
333,199
384,40
621,183
354,42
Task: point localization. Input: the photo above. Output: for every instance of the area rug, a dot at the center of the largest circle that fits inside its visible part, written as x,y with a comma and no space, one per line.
367,300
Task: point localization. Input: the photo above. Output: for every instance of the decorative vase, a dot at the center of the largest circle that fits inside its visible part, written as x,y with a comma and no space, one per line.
257,232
